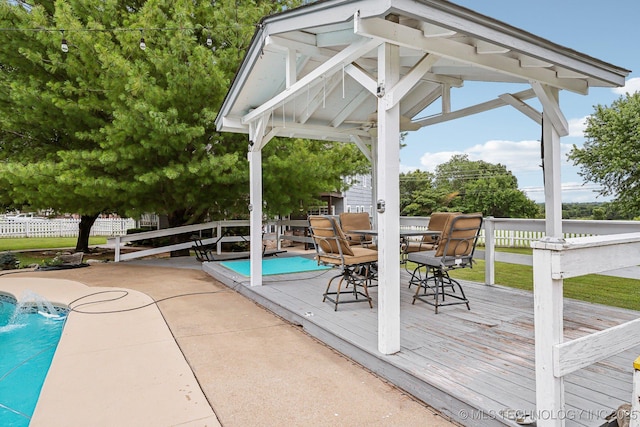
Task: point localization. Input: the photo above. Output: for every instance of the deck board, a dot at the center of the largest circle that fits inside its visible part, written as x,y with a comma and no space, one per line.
479,360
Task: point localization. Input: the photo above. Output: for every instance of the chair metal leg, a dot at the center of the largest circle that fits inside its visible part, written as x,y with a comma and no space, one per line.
350,276
416,276
435,294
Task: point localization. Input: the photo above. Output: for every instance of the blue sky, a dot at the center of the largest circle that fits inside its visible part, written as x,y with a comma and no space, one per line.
608,31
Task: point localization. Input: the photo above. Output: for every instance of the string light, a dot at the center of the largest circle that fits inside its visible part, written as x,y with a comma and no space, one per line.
143,45
63,44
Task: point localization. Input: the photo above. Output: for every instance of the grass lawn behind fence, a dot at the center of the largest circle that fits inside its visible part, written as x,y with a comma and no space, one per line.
22,246
29,243
596,288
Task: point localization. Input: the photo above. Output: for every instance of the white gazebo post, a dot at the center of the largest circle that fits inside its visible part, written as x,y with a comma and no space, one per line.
255,214
388,203
548,289
257,141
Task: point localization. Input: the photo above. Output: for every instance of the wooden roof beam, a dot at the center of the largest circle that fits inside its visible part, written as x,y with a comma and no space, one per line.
400,35
327,69
475,109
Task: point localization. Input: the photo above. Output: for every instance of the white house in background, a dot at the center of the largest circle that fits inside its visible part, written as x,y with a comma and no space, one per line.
358,198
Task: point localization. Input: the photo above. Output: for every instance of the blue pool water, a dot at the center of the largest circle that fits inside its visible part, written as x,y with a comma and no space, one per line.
27,344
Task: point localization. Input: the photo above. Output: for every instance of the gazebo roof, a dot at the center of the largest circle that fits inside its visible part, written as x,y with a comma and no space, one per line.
311,72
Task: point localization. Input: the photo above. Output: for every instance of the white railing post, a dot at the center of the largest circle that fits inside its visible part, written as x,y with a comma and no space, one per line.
634,416
219,235
116,256
279,232
489,251
548,325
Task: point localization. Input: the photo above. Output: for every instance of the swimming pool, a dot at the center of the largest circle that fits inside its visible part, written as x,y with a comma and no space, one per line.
28,342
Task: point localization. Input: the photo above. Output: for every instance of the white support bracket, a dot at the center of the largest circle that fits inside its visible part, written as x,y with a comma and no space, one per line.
523,107
364,148
395,94
551,109
361,76
257,129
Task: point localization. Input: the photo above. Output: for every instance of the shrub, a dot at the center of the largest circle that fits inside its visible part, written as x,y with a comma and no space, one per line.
8,261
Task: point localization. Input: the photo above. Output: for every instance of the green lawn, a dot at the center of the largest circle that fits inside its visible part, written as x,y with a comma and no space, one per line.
17,245
614,291
27,243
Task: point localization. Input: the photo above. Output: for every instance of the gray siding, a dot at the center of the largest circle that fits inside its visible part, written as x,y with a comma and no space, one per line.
358,198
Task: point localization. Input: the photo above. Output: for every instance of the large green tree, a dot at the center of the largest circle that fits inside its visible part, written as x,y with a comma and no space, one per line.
110,127
480,186
610,155
467,186
418,195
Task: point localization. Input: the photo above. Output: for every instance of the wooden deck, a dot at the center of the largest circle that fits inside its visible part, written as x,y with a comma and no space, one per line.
477,366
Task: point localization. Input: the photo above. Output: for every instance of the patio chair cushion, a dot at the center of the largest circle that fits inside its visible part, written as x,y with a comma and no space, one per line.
329,236
360,256
355,221
458,235
437,222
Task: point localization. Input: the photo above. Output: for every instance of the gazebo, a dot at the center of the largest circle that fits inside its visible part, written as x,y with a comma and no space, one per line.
362,71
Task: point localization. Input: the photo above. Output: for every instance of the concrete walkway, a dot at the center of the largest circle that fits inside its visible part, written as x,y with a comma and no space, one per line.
254,368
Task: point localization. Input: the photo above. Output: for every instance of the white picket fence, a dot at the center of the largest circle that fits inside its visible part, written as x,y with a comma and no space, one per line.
63,227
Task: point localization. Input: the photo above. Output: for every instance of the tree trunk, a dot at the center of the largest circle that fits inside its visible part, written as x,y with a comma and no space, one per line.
176,219
84,230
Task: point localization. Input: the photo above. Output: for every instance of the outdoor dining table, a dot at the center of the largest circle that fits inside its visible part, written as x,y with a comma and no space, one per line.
404,234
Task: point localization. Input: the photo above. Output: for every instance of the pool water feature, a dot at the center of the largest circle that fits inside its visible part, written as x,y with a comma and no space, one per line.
29,333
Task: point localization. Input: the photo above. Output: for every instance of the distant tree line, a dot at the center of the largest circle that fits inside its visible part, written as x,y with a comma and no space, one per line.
593,210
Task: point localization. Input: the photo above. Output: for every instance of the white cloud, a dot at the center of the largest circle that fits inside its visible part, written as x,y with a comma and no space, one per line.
517,156
631,86
522,158
577,126
431,160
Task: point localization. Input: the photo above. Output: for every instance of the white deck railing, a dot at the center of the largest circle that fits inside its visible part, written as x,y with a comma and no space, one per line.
218,230
553,261
497,232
